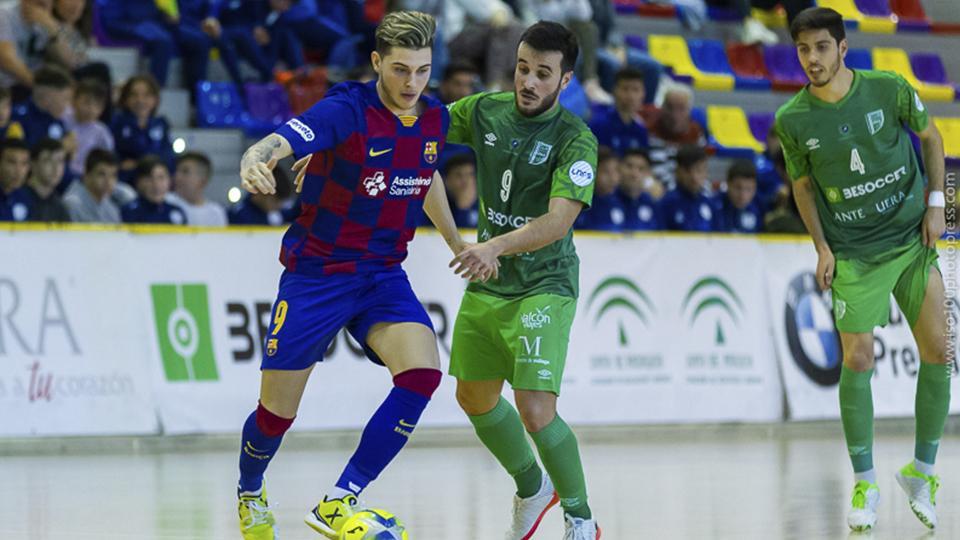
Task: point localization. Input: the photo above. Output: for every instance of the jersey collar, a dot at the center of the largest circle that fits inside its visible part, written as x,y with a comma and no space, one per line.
838,105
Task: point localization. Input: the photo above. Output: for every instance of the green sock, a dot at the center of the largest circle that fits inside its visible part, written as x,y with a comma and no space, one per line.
932,407
856,413
558,450
501,431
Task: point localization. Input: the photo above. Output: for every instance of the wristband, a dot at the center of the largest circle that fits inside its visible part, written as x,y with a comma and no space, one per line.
935,199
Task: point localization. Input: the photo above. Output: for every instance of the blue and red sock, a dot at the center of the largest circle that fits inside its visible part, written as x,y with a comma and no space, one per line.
262,434
389,428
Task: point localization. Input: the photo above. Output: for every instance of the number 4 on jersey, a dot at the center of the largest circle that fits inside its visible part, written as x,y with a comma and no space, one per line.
856,164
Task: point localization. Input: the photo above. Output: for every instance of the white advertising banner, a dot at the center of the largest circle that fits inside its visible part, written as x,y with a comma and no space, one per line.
72,349
808,345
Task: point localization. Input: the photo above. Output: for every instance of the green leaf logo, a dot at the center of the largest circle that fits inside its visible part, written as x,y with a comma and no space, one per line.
620,294
713,294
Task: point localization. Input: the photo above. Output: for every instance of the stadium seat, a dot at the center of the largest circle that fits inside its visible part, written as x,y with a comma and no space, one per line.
786,73
672,51
574,99
730,132
911,14
306,88
748,66
760,124
859,59
268,103
865,23
219,105
772,18
891,59
950,132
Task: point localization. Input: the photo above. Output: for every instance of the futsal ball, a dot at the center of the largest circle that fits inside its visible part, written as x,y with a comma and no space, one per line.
373,524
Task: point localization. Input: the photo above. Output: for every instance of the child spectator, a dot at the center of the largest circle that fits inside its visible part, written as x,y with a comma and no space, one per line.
190,179
241,23
89,201
460,178
151,178
49,160
606,210
784,217
28,31
620,126
76,28
460,79
43,114
88,103
738,209
639,192
14,168
137,130
261,209
8,129
687,208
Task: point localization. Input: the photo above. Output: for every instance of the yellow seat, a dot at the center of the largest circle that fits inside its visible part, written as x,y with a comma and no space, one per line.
771,18
672,51
950,132
849,10
892,59
729,126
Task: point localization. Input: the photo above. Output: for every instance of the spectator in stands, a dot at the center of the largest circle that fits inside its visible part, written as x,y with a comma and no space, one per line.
614,53
738,209
335,28
14,168
160,35
785,217
76,20
152,180
753,30
242,27
460,79
137,129
261,209
89,201
46,170
8,129
42,116
89,100
198,19
460,178
620,126
672,126
687,208
606,210
639,192
190,181
28,31
769,180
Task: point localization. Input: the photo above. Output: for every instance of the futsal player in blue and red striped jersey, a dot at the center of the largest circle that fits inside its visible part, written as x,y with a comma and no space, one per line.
367,161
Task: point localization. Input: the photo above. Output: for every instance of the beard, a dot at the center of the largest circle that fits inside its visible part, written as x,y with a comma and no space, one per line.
545,103
829,74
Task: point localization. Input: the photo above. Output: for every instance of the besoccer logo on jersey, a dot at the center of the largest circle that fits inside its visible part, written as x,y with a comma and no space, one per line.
375,184
811,335
182,316
430,152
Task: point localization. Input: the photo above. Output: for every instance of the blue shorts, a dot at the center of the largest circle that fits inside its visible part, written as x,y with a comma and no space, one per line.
310,311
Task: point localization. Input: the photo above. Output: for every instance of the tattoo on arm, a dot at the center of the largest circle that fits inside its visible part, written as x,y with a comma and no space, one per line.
263,150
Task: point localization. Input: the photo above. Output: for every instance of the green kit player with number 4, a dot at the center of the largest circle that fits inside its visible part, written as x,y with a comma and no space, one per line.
862,194
536,165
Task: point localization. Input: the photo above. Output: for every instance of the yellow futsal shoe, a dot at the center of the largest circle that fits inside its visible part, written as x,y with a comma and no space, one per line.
256,519
328,517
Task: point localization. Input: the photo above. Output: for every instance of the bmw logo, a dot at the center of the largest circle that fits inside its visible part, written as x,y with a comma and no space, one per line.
813,340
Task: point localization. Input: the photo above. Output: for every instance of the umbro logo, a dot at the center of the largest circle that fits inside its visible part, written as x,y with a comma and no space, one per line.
489,139
813,144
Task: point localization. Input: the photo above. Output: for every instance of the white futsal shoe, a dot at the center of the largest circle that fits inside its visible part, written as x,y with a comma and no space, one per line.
528,512
863,506
581,529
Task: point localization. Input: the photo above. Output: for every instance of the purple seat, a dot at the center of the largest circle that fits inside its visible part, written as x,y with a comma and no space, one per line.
760,124
928,67
268,103
637,42
874,8
783,65
219,105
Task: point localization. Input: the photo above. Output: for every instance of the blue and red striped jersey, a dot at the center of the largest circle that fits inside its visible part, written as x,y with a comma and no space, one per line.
363,192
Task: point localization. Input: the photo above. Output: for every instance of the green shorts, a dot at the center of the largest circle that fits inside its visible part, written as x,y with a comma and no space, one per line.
862,286
523,341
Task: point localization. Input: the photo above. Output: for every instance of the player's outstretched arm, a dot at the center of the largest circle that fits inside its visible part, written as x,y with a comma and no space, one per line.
437,208
257,163
536,234
934,221
803,194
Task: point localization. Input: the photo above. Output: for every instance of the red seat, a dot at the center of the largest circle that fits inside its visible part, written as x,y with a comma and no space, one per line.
747,61
910,10
656,10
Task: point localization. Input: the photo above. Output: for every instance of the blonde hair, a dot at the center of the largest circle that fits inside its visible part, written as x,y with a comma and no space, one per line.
407,30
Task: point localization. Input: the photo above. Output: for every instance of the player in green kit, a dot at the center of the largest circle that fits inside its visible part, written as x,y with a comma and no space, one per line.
536,165
860,190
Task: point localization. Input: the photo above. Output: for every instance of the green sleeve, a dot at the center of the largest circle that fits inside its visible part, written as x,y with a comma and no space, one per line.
461,120
794,154
909,107
576,169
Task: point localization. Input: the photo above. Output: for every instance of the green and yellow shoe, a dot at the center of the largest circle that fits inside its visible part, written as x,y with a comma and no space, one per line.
863,506
256,519
921,492
328,517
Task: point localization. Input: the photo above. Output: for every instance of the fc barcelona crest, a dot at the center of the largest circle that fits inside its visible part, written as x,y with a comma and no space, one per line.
875,121
430,152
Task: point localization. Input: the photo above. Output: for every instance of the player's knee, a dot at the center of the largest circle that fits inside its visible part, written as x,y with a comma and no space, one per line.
859,359
423,381
536,414
474,402
933,353
271,424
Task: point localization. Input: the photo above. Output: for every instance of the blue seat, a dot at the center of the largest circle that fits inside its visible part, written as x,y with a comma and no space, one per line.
860,59
219,105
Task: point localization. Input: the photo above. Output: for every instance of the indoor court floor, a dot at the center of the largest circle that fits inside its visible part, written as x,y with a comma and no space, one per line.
696,482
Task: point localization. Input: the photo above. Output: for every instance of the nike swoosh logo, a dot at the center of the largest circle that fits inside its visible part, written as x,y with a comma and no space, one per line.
375,153
404,424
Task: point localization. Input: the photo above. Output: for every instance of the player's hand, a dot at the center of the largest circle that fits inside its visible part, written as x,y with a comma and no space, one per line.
934,225
477,262
258,178
211,27
300,167
826,264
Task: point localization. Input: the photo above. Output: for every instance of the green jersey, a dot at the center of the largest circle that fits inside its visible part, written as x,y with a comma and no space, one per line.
521,164
869,190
